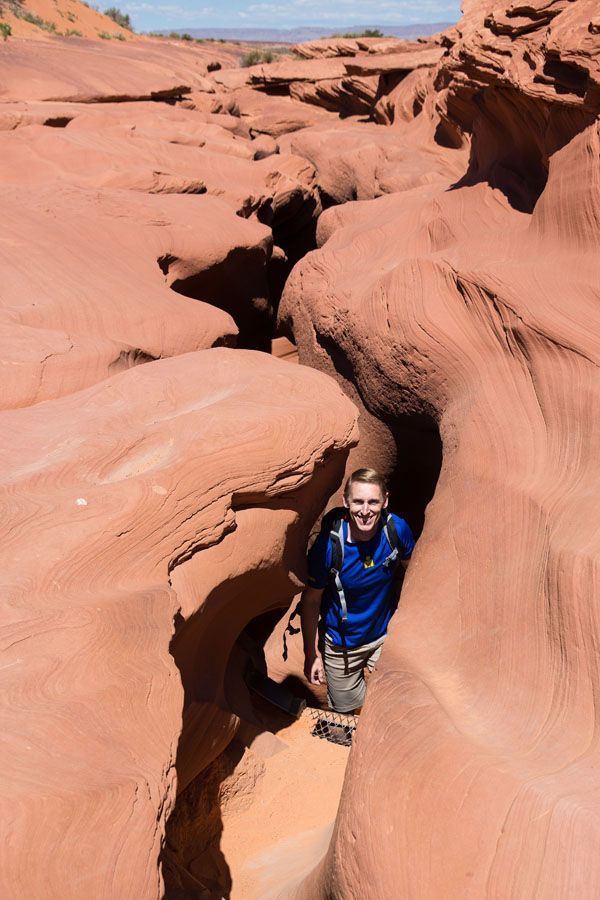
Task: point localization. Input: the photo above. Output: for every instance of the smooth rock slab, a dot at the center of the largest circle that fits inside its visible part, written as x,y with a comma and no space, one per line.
99,71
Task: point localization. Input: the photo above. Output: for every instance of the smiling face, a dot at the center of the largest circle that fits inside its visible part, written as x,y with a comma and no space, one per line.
364,503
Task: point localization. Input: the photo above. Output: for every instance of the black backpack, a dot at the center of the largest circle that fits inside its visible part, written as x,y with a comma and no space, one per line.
333,524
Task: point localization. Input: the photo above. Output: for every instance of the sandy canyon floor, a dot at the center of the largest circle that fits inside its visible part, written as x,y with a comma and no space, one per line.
286,822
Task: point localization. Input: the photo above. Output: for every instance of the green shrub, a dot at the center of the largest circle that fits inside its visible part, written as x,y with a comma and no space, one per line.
175,36
5,30
72,32
104,35
368,32
118,36
35,20
255,57
186,37
121,18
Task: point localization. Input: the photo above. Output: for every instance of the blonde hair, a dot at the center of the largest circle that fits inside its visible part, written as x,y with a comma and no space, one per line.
365,476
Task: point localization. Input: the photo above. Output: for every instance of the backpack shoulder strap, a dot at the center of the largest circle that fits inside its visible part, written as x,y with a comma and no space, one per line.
333,523
336,538
391,535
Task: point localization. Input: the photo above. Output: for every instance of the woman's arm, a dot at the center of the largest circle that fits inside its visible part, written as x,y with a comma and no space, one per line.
310,607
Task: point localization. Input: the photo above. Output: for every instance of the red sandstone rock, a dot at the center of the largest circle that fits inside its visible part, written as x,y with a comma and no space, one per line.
158,159
183,116
264,146
404,102
345,85
348,86
394,62
170,125
275,116
350,96
215,102
85,284
537,85
146,514
290,70
90,71
477,308
361,161
327,47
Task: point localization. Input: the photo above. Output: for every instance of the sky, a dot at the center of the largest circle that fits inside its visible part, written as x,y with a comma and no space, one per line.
245,13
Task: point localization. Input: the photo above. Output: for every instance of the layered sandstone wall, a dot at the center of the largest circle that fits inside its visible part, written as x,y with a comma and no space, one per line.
159,481
474,771
158,511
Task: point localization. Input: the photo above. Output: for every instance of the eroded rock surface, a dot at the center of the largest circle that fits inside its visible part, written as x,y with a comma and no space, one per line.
90,280
134,482
99,71
477,308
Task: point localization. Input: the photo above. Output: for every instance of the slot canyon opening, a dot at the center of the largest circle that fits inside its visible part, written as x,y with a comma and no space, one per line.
258,791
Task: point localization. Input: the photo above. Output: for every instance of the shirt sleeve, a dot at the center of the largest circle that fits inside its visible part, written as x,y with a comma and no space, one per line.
319,562
406,539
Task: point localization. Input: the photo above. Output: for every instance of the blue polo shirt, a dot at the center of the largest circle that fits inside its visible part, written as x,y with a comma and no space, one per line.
368,585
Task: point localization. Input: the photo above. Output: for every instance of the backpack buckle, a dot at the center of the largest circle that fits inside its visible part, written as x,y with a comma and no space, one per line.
391,559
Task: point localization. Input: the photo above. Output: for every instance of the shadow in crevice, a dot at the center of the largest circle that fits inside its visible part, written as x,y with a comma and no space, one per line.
416,461
237,285
220,719
213,649
413,481
514,136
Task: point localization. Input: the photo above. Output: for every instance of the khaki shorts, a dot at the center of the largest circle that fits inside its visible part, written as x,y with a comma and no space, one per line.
345,673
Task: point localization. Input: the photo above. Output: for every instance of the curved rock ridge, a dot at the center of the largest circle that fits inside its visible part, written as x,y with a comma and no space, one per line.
276,115
287,71
209,460
350,95
361,161
349,85
143,113
99,71
326,47
393,63
476,749
102,155
87,277
523,89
